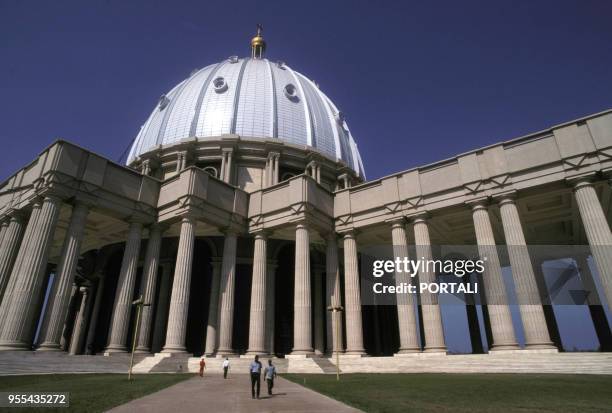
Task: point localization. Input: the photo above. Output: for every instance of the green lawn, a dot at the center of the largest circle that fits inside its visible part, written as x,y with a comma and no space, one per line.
90,392
498,393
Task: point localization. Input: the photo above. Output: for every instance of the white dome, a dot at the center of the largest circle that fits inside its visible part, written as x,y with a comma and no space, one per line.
251,98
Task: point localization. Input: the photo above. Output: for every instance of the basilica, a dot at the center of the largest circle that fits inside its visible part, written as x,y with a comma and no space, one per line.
238,222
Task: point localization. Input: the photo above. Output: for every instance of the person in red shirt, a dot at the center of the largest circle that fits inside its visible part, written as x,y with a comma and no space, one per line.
202,366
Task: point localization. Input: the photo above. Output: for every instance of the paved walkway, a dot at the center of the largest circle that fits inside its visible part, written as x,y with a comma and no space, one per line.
214,394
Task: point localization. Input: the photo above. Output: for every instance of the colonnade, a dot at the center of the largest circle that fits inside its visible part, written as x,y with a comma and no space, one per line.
25,243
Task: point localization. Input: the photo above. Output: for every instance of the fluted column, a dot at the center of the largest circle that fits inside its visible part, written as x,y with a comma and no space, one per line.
161,314
59,301
29,276
11,239
79,325
149,284
333,296
319,315
226,308
496,296
14,269
125,291
354,322
532,313
179,301
432,318
302,308
270,306
213,309
597,232
257,324
406,318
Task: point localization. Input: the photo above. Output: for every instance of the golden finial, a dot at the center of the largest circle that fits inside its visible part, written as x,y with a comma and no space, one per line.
258,44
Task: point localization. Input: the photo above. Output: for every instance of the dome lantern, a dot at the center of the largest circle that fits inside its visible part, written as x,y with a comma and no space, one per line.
258,44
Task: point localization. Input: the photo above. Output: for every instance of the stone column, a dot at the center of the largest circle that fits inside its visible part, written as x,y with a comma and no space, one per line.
59,298
22,311
432,318
14,269
179,301
226,308
79,325
149,285
319,315
95,312
302,327
409,341
270,306
161,314
532,314
213,309
9,248
496,296
257,324
597,232
124,295
333,296
354,326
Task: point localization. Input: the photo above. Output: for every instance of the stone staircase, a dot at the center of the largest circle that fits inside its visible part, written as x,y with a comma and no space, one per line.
499,362
32,362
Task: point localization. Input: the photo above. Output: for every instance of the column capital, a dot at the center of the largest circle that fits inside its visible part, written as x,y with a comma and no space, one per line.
350,233
420,217
478,203
261,234
396,222
301,224
505,198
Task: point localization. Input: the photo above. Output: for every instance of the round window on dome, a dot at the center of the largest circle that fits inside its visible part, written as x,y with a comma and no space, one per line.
291,92
220,84
163,102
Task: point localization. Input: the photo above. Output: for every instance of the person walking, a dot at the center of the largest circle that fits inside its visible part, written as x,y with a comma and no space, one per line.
270,375
202,366
255,371
226,365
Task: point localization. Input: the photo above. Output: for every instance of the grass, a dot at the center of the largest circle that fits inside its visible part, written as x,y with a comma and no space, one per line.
474,393
90,392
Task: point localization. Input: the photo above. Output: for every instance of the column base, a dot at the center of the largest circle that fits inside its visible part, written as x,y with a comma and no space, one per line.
253,353
504,347
409,350
357,352
541,346
142,350
115,349
302,352
441,350
174,350
49,347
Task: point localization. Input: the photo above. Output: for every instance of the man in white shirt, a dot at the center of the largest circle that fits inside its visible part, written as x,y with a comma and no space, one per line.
270,375
226,365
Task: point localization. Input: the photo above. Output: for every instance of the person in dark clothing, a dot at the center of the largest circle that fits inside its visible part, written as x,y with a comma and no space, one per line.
255,371
270,375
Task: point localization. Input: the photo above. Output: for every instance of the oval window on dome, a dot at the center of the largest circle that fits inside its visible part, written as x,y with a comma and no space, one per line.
220,84
291,92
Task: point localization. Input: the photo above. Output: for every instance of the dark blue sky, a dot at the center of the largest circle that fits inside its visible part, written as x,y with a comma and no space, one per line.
418,82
